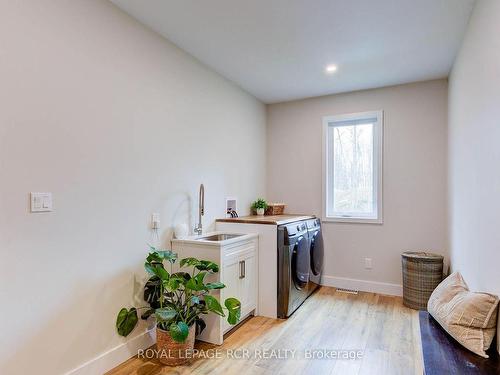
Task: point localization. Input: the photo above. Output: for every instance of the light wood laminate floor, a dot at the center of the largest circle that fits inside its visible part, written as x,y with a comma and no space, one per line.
380,326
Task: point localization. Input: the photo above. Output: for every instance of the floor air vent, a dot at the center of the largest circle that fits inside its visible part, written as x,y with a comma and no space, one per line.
349,291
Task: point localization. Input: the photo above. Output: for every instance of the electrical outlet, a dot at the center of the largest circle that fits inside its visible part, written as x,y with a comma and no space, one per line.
368,263
155,220
231,208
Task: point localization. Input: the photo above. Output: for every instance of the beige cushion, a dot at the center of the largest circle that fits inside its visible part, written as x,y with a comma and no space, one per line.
470,318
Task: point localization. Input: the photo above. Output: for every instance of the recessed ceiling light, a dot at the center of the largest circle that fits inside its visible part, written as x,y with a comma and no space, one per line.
331,68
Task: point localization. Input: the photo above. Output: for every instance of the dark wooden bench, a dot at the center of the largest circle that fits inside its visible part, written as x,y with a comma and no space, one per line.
443,355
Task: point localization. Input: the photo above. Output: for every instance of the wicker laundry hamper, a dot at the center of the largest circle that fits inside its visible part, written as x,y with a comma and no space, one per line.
422,272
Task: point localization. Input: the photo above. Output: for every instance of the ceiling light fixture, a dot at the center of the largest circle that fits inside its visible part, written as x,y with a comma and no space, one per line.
331,68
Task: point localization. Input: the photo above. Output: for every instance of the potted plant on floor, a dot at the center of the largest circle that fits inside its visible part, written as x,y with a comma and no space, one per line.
177,301
259,206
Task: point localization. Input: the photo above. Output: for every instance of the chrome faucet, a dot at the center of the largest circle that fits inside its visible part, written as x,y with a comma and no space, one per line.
198,229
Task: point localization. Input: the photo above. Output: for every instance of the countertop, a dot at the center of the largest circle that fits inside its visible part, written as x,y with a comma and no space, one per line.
271,219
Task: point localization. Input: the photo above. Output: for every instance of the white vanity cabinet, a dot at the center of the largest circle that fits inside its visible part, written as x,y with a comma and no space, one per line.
239,274
237,260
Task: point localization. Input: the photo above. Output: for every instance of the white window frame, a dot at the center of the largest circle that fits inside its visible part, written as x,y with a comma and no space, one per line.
378,147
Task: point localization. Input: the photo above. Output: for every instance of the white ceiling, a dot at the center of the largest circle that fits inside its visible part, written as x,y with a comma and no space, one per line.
278,49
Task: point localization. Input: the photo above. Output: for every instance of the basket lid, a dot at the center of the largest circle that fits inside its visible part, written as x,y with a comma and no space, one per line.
422,255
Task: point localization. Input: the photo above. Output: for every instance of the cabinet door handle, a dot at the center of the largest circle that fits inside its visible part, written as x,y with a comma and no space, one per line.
242,269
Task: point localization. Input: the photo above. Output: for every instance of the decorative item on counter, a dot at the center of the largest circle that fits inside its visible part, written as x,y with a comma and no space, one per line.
177,301
231,213
259,206
275,209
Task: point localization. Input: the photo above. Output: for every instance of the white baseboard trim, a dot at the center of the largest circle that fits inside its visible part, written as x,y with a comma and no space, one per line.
113,357
363,285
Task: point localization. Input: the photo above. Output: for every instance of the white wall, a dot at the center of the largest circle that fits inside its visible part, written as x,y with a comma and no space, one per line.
117,123
414,178
474,151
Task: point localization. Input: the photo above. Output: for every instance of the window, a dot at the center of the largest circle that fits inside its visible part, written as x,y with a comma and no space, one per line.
352,170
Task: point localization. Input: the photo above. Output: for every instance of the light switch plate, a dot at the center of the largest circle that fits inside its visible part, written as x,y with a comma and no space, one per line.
41,202
368,263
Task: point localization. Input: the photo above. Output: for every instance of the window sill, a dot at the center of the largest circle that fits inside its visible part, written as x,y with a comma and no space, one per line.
353,220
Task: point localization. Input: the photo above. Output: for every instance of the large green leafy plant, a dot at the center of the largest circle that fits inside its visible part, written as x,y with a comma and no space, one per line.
178,300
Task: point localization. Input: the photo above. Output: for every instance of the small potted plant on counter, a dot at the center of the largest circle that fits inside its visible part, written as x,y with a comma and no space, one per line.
259,206
177,301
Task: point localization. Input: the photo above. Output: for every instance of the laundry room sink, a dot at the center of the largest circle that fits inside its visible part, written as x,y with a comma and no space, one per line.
217,237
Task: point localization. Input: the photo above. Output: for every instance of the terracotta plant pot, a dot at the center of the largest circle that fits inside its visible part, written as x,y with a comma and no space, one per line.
173,353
